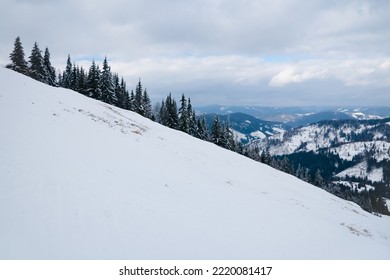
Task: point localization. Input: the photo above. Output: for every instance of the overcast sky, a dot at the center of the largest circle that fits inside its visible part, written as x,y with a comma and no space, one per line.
243,52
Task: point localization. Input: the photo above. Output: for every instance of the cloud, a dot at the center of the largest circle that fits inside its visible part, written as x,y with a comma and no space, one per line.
220,51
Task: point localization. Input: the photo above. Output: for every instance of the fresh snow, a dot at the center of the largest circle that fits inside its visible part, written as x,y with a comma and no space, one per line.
360,171
84,180
258,134
238,135
349,151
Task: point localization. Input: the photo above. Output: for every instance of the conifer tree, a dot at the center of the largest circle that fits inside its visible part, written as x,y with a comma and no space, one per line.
206,133
49,69
82,81
146,105
132,101
126,98
216,132
18,61
107,86
74,78
93,82
170,116
67,74
318,180
191,119
118,91
183,115
229,137
36,68
138,108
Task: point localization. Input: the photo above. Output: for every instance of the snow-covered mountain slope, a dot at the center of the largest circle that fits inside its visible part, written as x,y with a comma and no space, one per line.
361,135
80,179
247,128
364,143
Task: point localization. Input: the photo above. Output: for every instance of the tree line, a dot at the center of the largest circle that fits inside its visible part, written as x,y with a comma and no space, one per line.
102,84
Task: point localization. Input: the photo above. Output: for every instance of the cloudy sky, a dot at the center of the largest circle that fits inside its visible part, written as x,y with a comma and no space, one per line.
227,52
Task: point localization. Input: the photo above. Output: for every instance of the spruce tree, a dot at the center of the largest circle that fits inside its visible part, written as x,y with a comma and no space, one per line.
36,68
118,91
146,105
18,61
132,101
191,119
183,115
50,70
107,86
171,116
82,81
138,108
67,74
216,132
74,78
93,82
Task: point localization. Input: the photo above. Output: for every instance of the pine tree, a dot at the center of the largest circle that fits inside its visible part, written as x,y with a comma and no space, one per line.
36,68
147,105
67,74
18,62
126,96
50,70
107,86
183,115
163,114
132,101
318,180
216,132
191,119
118,91
138,108
205,131
170,115
74,78
93,82
82,82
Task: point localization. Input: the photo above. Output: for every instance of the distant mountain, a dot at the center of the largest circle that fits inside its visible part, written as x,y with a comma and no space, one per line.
248,128
352,150
310,118
300,116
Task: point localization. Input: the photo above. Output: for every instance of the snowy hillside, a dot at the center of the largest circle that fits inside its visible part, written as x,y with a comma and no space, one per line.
364,143
83,180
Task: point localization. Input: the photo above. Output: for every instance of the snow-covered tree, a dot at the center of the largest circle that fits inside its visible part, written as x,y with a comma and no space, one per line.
216,132
49,69
67,74
36,68
147,105
138,108
18,61
183,115
107,86
93,82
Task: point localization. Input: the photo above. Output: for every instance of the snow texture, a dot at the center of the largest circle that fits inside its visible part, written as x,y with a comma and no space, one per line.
84,180
361,171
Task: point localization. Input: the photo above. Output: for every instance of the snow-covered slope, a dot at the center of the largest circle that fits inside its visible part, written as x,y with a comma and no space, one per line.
80,179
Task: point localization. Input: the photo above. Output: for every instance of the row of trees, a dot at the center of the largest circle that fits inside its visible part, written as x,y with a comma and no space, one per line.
38,67
184,118
106,86
99,84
